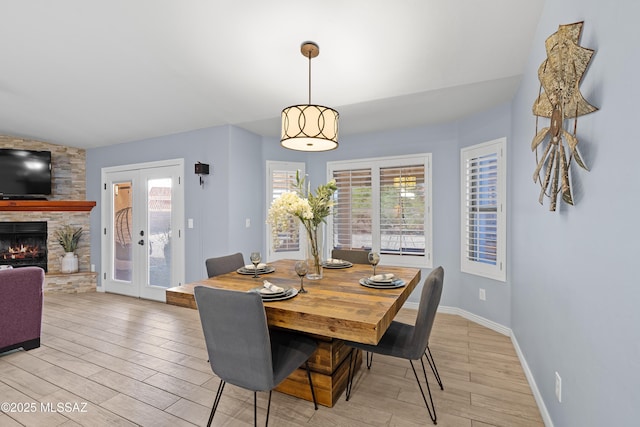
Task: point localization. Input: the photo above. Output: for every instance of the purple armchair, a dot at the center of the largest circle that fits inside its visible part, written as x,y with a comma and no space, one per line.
21,297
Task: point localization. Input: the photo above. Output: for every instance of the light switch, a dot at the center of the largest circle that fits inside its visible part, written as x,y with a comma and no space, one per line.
190,223
247,223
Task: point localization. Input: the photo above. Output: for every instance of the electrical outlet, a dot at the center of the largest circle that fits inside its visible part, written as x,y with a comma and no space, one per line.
558,387
482,295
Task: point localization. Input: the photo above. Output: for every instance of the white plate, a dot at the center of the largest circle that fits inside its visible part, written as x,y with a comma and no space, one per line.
289,293
344,264
391,285
267,270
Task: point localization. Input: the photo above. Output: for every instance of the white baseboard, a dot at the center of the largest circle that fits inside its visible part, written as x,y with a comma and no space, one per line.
501,329
546,418
532,383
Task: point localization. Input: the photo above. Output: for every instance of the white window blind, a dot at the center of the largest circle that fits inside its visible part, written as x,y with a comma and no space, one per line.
483,211
281,179
402,210
352,209
383,204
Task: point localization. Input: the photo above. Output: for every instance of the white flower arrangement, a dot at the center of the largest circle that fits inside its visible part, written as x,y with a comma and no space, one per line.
281,211
310,209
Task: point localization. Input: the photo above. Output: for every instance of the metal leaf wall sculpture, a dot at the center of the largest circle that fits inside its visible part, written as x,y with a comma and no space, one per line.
560,75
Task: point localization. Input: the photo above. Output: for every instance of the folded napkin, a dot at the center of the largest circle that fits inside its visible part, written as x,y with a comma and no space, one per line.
334,261
270,288
261,266
385,277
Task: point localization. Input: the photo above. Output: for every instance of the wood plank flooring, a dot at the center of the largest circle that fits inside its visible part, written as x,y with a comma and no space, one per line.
110,360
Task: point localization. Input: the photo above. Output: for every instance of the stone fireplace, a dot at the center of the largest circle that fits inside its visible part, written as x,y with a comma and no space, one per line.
65,206
23,243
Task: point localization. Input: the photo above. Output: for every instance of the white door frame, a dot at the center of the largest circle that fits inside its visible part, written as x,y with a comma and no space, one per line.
178,245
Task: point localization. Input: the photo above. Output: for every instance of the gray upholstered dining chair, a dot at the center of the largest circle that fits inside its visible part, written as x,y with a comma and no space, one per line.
224,264
410,342
242,350
354,256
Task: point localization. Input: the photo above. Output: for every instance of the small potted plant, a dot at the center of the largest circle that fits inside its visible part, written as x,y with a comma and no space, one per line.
68,237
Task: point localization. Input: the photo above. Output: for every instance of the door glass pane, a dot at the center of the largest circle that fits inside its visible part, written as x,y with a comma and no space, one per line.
159,220
122,231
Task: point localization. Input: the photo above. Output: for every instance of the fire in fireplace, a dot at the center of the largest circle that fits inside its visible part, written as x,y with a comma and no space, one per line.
23,244
21,252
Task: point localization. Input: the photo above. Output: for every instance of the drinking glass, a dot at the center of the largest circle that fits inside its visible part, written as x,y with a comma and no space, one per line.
255,260
374,259
301,270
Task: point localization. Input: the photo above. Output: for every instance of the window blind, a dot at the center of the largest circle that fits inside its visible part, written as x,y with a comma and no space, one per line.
352,210
483,216
402,210
482,208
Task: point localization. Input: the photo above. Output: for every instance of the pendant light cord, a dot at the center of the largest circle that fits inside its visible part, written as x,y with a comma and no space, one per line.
309,77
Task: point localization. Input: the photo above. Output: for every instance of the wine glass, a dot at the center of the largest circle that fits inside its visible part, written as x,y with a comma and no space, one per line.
301,269
255,260
374,259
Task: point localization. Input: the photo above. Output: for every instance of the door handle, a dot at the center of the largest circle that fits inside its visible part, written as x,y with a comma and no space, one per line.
141,242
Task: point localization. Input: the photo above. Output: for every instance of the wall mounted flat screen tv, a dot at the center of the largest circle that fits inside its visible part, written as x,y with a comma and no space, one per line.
24,173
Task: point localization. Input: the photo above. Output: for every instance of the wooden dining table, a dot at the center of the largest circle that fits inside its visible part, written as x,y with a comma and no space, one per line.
335,308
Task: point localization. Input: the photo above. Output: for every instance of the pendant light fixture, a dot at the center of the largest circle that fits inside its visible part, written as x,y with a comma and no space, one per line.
309,127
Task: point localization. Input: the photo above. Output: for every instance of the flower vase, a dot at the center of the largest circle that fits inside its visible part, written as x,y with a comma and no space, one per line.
69,263
315,240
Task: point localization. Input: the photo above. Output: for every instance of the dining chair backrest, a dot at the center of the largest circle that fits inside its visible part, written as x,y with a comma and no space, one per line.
429,301
354,256
224,264
237,337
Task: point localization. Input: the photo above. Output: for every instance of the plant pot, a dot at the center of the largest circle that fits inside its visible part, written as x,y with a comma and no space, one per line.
69,263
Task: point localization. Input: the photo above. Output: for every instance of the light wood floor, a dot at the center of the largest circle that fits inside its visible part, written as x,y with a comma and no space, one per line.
137,362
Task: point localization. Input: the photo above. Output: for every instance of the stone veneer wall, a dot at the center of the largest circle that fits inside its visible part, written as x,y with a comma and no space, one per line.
67,167
68,183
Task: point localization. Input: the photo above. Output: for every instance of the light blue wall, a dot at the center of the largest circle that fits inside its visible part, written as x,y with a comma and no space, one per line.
218,208
574,272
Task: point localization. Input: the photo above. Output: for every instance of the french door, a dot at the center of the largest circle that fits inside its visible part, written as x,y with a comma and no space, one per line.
142,235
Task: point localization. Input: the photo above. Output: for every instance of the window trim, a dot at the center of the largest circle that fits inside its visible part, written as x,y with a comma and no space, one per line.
497,271
375,164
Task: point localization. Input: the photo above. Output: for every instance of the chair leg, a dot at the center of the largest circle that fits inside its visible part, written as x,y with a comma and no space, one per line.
350,375
432,363
255,404
313,393
369,359
216,401
424,371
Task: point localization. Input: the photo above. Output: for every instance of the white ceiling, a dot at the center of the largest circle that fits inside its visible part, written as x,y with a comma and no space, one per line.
92,73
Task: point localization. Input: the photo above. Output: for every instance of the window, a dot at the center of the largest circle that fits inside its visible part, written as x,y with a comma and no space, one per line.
483,195
281,177
383,204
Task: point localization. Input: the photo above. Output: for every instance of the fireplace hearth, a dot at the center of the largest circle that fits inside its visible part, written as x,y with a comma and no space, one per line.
23,244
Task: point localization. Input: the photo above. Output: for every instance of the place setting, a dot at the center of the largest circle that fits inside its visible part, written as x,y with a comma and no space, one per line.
270,292
380,281
336,263
256,267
